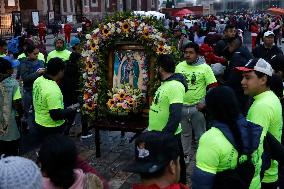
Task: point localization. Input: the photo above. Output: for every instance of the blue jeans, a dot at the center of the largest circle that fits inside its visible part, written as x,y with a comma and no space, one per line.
28,108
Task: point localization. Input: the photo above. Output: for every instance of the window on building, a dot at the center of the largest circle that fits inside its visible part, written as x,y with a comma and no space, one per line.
153,3
94,3
11,3
107,3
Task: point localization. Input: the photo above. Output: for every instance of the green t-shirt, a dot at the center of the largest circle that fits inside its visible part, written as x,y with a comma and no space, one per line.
266,111
64,55
170,92
40,56
216,154
198,78
17,95
46,96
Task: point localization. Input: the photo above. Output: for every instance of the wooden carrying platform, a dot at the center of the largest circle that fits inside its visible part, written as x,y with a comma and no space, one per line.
135,124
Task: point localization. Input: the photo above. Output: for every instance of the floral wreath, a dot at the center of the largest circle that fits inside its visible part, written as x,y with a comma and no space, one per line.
120,27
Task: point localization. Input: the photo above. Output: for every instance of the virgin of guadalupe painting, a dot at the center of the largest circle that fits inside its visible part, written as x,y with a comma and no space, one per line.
130,67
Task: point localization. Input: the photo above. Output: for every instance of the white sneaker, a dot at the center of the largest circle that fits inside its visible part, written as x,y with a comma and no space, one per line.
86,136
186,159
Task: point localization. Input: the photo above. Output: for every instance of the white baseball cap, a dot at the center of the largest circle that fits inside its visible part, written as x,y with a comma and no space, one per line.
257,64
268,33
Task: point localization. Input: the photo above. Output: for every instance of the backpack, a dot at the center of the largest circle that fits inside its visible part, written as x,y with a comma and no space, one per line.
13,45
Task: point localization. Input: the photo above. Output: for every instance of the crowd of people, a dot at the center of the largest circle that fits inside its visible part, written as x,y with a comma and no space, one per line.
223,99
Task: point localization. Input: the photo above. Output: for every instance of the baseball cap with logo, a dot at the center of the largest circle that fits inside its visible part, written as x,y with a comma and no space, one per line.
257,64
268,33
153,151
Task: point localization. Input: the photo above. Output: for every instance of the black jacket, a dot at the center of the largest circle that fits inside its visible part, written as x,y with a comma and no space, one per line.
70,83
266,53
233,78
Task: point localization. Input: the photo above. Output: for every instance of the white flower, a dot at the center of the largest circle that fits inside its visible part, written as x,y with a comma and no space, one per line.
112,30
118,30
96,30
88,42
85,76
98,78
90,72
120,91
88,36
109,25
86,53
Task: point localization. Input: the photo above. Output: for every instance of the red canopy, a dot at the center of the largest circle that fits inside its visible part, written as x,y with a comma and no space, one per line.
276,11
182,12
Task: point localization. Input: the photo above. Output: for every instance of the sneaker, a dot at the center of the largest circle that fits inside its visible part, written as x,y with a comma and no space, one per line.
186,159
88,135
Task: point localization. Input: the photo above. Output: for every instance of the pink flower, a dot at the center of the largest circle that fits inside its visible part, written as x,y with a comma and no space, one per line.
124,105
115,99
128,98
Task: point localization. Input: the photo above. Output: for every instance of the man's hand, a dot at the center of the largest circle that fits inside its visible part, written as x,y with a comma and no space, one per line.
74,106
41,70
200,106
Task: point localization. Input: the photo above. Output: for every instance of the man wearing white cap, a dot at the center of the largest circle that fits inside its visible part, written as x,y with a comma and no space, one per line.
268,49
265,111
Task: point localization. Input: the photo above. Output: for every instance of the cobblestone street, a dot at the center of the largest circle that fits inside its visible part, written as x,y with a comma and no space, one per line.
116,152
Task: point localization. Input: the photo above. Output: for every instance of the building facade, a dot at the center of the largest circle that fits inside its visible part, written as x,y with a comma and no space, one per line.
73,10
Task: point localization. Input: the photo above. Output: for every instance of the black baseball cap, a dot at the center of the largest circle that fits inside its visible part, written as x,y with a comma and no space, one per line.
153,151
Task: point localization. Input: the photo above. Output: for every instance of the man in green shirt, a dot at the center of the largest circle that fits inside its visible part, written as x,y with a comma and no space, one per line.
3,48
165,111
48,101
265,111
199,77
60,50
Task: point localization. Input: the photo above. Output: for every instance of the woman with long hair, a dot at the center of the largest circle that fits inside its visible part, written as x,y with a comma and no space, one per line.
221,147
57,159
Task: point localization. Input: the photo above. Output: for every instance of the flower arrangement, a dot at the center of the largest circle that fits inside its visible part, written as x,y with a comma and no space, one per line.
148,32
125,99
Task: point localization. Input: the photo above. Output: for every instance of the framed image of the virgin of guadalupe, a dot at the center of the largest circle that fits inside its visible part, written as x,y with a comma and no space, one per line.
129,64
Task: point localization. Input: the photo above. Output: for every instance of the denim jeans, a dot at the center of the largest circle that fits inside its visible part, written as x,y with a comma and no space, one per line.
28,108
192,121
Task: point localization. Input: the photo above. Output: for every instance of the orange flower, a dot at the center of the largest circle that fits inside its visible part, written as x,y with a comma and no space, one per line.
125,27
93,46
110,103
122,96
130,102
90,106
90,66
86,95
106,32
146,33
161,49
